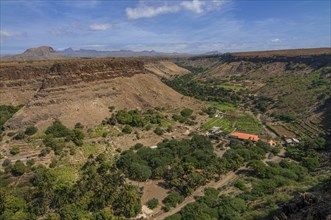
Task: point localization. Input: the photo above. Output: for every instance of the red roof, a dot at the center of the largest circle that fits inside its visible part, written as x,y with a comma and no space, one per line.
245,136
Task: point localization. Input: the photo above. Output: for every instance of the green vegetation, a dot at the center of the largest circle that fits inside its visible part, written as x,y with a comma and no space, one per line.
57,135
127,129
30,130
172,200
18,169
260,192
20,135
158,131
87,196
90,149
6,112
15,150
224,106
243,122
152,203
64,174
297,92
186,112
57,129
212,206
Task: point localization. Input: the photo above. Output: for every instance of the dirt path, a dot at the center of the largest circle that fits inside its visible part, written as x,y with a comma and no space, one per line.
199,192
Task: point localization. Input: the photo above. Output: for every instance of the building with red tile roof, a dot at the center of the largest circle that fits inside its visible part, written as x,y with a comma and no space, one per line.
244,136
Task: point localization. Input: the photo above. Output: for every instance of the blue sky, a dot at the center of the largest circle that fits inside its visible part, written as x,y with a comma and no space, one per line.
190,26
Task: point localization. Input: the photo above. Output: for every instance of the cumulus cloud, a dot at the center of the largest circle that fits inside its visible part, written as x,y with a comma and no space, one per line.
100,27
275,40
196,6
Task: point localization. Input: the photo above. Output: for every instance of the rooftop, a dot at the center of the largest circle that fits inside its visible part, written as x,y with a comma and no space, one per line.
245,136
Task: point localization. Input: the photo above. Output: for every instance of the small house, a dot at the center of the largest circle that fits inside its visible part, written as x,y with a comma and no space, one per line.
272,143
291,141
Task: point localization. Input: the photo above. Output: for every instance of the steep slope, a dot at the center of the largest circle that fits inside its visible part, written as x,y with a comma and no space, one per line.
165,69
37,53
81,91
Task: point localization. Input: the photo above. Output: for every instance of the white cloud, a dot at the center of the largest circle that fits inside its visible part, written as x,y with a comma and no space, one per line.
196,6
148,12
100,27
275,40
6,34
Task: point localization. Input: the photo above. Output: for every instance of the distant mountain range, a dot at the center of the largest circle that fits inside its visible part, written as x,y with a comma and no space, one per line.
69,52
48,53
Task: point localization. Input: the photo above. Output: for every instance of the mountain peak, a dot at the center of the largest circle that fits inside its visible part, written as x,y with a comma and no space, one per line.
36,53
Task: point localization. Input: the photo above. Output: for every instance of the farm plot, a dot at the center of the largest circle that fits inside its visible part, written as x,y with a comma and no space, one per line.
241,122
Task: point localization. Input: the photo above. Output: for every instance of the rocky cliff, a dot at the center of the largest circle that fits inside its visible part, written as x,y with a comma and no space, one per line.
80,90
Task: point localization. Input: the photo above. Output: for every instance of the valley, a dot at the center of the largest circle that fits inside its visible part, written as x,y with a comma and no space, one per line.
228,136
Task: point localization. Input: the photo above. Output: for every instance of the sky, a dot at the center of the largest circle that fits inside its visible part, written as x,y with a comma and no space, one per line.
184,26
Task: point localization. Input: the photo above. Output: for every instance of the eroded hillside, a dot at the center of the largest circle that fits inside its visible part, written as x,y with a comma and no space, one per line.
80,90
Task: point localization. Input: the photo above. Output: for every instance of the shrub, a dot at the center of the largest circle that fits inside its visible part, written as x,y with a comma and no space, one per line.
6,163
18,169
173,199
20,135
186,112
158,131
53,163
275,150
169,129
30,162
138,146
241,185
57,129
148,127
79,125
123,117
127,129
152,203
111,108
31,130
288,117
176,117
15,150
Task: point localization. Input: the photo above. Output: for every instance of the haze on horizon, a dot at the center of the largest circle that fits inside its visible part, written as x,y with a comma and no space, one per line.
188,26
